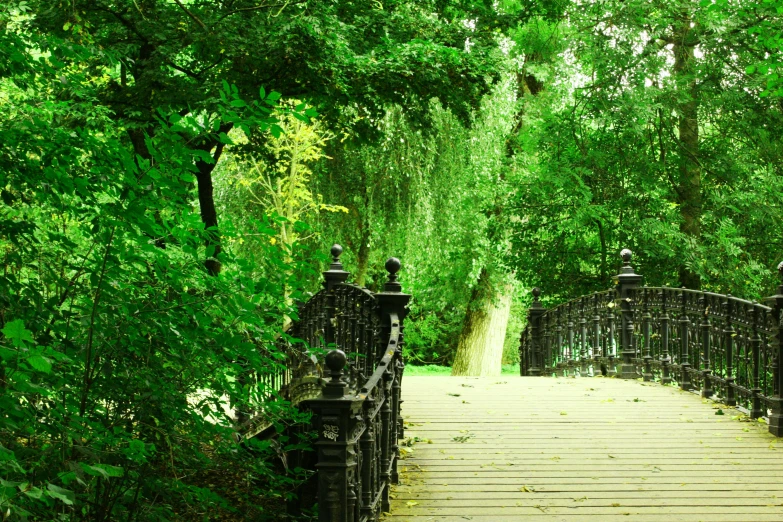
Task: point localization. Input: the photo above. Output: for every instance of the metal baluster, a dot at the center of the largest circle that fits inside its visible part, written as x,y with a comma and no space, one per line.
646,320
558,363
685,365
706,382
548,328
665,358
570,336
583,359
597,353
523,349
367,447
535,316
765,356
611,344
755,344
386,438
728,335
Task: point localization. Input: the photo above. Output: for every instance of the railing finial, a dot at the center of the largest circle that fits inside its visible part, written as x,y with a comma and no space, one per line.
335,275
626,256
335,361
536,294
393,266
336,251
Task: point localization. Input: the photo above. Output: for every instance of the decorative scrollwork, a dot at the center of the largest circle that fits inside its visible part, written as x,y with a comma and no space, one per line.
331,432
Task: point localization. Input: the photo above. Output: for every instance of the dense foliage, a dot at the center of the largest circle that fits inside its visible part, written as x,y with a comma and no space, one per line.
172,173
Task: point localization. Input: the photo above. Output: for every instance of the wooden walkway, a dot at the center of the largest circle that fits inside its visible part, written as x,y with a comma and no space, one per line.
580,450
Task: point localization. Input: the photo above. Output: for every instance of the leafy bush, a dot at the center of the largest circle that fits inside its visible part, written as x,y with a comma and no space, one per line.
122,356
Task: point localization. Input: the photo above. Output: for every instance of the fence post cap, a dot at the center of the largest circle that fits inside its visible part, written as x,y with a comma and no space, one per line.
627,278
335,275
335,360
393,266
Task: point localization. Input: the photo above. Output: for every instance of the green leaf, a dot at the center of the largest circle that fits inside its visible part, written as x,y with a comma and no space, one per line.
103,470
273,96
65,495
33,492
16,331
40,363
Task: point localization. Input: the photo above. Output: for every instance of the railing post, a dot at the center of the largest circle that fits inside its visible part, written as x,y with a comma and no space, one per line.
333,277
536,334
627,281
776,401
393,301
336,418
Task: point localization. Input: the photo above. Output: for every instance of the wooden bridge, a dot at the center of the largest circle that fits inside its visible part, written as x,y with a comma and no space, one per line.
580,449
635,403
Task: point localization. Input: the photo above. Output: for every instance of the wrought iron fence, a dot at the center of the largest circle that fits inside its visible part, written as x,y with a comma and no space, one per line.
719,345
343,361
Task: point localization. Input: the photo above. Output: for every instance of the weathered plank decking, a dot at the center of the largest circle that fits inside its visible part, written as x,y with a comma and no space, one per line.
580,450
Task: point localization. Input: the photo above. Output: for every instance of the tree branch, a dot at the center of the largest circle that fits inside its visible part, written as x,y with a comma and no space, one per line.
260,7
191,15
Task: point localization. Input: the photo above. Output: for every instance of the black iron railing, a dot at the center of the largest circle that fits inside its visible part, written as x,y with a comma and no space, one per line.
719,345
343,361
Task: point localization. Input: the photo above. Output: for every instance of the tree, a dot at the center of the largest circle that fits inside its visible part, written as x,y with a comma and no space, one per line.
655,128
347,59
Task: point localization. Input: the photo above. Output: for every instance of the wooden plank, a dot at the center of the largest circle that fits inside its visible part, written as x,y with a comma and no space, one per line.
580,450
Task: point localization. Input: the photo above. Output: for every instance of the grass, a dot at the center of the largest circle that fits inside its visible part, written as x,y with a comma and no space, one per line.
434,369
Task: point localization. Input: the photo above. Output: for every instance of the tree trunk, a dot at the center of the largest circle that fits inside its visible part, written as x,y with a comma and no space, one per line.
480,347
206,200
689,182
362,258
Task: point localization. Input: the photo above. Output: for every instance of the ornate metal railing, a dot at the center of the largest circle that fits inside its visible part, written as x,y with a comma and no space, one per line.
355,337
719,345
